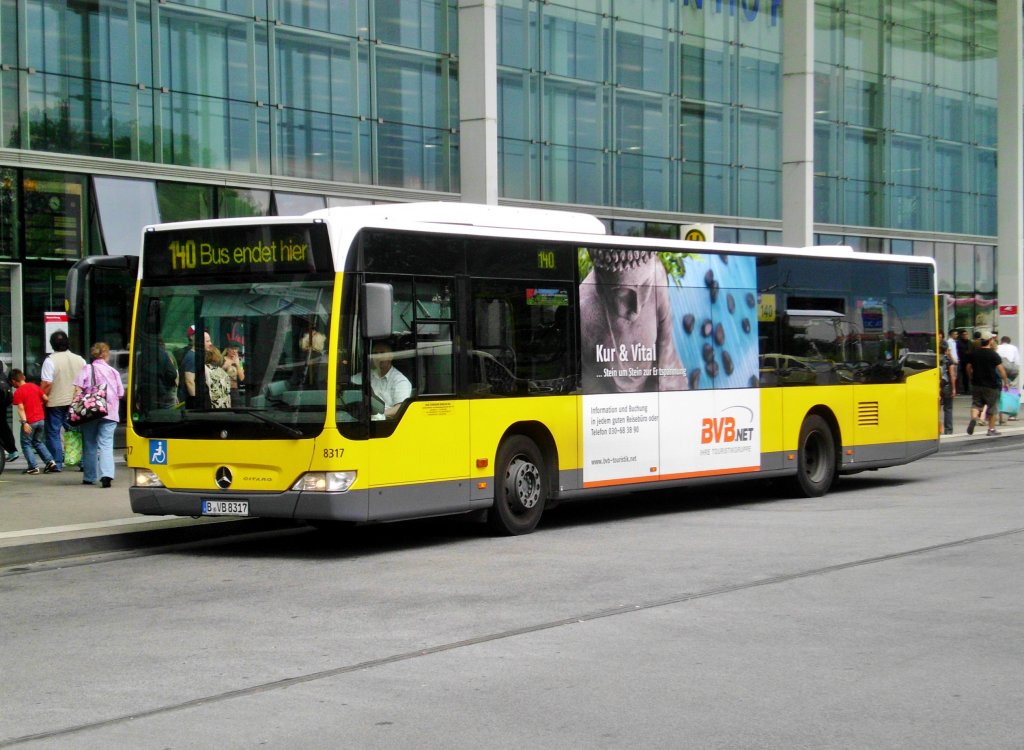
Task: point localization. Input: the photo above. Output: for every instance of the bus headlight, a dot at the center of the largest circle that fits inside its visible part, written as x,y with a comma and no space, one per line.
325,481
146,478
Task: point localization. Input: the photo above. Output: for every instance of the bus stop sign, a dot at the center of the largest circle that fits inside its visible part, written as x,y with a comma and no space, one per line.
698,232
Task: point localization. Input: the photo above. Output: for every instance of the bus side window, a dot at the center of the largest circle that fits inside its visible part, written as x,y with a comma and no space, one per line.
522,339
434,351
434,359
493,331
422,332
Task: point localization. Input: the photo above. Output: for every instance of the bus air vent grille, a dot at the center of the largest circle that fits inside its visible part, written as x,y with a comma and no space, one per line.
919,279
867,414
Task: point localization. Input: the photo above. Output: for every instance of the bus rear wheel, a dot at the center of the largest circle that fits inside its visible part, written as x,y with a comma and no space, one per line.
520,487
816,457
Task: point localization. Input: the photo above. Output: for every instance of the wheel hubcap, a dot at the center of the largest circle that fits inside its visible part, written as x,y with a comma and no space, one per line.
815,461
522,484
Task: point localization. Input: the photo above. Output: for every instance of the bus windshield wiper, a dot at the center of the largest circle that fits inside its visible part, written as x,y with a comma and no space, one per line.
285,428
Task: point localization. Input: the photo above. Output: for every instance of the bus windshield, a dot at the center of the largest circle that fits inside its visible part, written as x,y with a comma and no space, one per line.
233,349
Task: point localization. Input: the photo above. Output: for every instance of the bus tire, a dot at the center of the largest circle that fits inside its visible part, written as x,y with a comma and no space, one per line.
816,457
520,487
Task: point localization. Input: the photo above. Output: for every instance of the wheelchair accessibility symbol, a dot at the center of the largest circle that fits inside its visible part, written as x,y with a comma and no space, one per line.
158,452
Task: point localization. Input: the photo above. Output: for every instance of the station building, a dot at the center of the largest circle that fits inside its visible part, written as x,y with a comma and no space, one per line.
869,123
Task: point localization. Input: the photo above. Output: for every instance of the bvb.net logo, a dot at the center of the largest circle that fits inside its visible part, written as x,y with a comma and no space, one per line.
726,430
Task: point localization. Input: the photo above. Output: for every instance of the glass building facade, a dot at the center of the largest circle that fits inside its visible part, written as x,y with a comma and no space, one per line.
644,104
650,113
342,91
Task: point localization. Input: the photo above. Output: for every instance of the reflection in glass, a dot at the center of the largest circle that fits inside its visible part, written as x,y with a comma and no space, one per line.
296,204
236,202
9,213
183,202
985,268
964,277
54,215
279,332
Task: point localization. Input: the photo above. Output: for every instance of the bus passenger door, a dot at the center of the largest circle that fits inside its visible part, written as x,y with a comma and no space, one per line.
419,457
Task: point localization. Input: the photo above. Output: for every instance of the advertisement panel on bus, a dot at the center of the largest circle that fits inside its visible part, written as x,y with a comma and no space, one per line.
670,365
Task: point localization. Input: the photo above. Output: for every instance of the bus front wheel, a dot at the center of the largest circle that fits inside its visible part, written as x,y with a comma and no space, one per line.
520,487
816,457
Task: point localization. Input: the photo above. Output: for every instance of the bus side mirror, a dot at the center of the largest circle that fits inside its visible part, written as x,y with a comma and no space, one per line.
377,299
78,276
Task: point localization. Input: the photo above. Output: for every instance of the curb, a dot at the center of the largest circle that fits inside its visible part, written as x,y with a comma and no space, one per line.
142,537
963,441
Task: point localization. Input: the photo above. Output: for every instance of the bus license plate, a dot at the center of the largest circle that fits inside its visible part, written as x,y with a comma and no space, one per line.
225,508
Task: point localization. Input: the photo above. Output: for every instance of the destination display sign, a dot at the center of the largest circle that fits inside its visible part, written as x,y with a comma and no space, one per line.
237,250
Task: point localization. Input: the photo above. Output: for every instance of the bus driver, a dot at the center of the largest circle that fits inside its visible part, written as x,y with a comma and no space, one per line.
387,383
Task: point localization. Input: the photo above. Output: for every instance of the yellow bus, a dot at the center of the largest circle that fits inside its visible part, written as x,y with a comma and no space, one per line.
371,364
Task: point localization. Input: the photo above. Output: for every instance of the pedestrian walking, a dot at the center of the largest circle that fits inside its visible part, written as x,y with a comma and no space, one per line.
57,378
1010,355
985,371
947,387
29,398
1011,363
951,343
963,351
6,436
98,434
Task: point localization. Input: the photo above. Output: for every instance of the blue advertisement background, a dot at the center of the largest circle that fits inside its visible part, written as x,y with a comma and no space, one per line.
736,277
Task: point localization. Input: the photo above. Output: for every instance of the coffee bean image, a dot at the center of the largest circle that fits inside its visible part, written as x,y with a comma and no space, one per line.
727,363
754,382
730,302
724,259
706,328
708,353
688,321
745,325
711,368
709,279
751,301
714,292
719,334
694,378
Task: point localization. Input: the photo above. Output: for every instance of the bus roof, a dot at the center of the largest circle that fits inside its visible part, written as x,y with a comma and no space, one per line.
540,224
471,215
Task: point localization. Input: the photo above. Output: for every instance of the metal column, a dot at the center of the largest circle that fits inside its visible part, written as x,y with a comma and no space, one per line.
798,123
16,320
1010,168
478,101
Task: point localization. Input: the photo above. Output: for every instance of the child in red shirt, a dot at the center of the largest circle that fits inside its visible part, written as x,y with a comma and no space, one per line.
29,398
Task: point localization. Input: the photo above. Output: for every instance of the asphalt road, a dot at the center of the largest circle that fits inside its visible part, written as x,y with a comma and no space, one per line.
887,614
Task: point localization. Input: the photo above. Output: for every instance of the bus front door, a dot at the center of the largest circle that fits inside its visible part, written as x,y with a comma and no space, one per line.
419,450
421,467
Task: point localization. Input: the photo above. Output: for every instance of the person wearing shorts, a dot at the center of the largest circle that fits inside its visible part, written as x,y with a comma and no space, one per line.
986,373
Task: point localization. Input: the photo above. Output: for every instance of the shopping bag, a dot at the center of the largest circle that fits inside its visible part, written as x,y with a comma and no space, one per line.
1009,402
89,403
72,448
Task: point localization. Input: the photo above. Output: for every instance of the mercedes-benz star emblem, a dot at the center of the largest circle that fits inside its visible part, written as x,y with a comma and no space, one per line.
224,477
